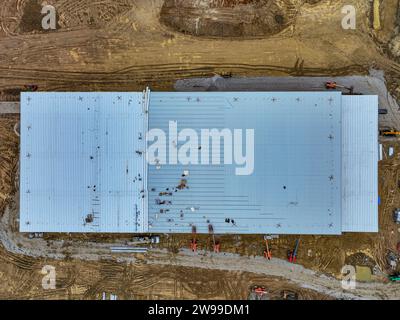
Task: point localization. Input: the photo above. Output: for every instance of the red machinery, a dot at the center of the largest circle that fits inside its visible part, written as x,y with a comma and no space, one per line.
193,243
292,255
267,251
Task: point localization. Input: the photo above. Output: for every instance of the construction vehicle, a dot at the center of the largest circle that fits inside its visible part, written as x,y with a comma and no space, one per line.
193,243
31,87
146,239
395,277
258,293
224,74
392,260
267,250
292,255
216,243
332,85
389,132
289,295
34,235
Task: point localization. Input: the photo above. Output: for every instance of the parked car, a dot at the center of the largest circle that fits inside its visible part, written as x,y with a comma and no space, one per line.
382,111
258,293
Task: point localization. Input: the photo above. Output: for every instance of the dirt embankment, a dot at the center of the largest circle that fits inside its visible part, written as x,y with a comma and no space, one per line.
231,18
9,158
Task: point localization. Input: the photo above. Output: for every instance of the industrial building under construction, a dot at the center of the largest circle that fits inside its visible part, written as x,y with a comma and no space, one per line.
85,164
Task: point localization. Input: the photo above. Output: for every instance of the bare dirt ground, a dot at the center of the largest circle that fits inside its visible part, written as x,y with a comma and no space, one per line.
122,45
128,44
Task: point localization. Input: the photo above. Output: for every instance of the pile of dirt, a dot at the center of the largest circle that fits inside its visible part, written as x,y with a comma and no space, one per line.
87,13
234,18
90,13
360,259
31,19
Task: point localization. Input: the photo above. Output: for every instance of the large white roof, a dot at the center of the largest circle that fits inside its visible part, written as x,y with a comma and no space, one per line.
315,164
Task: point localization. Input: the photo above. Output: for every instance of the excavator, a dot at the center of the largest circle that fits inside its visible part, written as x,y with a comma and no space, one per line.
332,85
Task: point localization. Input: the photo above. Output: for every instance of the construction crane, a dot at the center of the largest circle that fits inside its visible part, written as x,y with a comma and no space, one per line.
292,255
267,250
216,243
193,243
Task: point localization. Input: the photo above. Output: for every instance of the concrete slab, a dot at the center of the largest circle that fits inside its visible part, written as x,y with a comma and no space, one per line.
373,84
9,107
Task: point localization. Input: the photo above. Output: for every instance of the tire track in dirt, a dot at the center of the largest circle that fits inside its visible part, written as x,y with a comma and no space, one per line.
294,273
154,73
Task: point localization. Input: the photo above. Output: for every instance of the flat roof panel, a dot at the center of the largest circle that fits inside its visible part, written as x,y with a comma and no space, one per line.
79,168
360,164
295,187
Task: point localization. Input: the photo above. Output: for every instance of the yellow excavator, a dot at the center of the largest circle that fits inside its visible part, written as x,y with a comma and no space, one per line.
389,133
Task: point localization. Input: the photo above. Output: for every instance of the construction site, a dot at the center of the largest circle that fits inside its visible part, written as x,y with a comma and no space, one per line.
188,232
